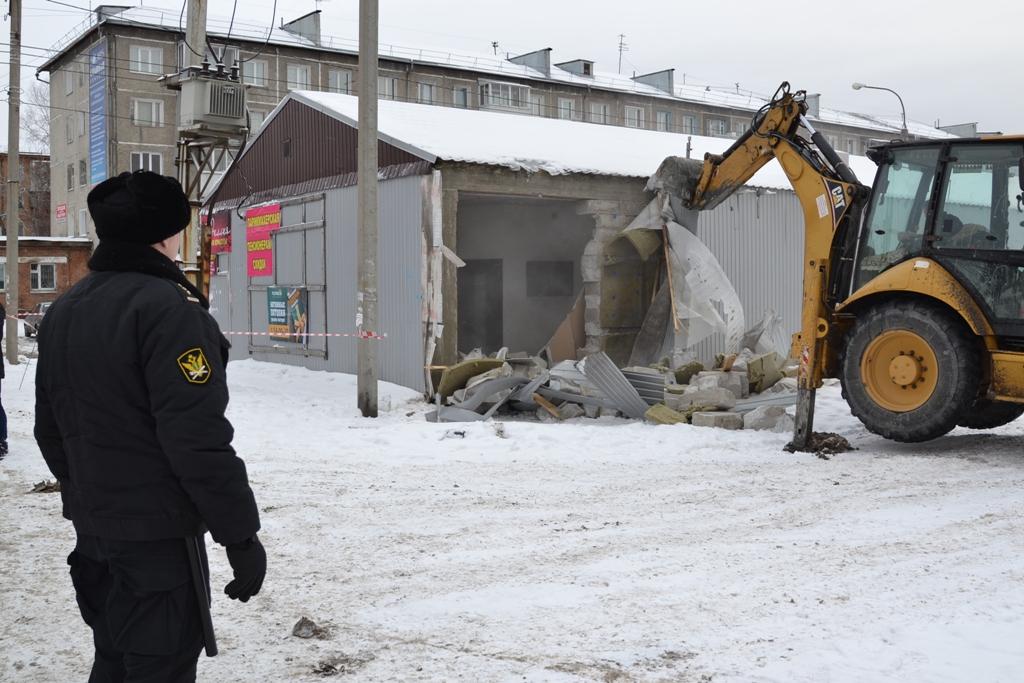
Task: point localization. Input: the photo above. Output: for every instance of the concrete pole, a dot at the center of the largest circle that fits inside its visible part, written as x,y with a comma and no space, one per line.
13,176
366,239
195,34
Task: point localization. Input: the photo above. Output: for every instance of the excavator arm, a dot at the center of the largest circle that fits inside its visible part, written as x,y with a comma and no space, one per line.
828,192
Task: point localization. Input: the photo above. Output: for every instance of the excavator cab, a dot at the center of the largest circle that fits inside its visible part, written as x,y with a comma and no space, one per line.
936,296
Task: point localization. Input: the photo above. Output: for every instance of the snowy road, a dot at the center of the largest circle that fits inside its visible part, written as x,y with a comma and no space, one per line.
603,550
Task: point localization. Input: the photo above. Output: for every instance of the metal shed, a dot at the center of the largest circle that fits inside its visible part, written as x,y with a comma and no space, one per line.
492,227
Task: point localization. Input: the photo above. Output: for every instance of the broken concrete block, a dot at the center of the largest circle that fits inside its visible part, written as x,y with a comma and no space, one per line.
772,418
719,420
785,385
592,411
661,414
718,397
568,411
764,371
675,388
685,372
545,416
713,379
608,412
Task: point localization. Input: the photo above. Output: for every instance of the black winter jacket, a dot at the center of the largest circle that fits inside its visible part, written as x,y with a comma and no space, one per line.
130,401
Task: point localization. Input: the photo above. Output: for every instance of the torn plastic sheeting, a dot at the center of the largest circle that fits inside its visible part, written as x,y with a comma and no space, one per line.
705,300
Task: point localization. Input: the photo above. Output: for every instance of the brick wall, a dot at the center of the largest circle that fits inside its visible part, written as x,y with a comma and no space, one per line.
69,259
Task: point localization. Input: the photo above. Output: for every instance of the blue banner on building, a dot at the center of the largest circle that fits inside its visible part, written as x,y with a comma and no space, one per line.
98,112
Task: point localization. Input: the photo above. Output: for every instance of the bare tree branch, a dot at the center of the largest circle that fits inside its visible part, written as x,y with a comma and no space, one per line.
35,117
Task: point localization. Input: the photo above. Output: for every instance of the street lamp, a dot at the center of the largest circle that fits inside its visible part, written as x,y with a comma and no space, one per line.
904,132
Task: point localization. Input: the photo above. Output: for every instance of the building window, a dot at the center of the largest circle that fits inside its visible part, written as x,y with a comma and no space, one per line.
81,123
83,173
566,108
3,277
663,121
833,141
256,119
690,125
147,161
44,277
82,68
148,112
387,87
851,146
71,177
600,113
716,127
505,96
634,117
146,60
537,105
426,93
460,98
69,79
83,222
298,77
69,135
254,72
339,80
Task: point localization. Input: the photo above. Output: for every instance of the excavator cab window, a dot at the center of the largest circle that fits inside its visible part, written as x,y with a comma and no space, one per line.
894,227
979,230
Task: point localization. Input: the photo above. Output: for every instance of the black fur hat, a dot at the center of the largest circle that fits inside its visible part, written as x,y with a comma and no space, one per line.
141,207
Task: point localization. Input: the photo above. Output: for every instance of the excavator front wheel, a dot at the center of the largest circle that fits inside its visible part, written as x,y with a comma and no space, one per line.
910,369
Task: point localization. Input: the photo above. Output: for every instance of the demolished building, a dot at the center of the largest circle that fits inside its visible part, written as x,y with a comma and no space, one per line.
494,233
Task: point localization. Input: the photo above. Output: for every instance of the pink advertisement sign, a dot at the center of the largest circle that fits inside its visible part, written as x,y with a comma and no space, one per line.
260,225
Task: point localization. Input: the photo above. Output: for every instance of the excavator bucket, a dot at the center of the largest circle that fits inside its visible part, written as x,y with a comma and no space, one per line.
677,177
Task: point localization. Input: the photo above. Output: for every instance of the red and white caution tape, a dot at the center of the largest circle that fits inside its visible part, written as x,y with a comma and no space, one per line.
360,335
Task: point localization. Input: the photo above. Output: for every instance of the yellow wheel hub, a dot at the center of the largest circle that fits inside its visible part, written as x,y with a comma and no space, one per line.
899,370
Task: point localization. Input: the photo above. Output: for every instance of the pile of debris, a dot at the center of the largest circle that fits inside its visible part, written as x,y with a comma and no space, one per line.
742,391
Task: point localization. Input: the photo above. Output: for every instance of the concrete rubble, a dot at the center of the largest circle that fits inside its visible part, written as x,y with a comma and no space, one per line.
746,390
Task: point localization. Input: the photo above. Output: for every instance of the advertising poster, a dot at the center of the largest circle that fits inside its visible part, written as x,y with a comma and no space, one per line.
98,112
220,233
286,314
260,225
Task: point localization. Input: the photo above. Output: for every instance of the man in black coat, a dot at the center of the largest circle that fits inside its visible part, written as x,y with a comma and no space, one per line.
130,401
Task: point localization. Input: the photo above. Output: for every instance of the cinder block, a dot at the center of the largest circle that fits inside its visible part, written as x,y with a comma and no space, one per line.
736,382
717,397
720,420
772,418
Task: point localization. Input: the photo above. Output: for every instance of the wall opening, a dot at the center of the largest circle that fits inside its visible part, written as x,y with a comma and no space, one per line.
522,275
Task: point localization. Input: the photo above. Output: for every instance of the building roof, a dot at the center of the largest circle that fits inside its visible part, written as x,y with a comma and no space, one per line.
530,143
74,241
494,65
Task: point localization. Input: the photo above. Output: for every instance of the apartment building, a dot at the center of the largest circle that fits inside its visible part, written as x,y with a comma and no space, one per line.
112,111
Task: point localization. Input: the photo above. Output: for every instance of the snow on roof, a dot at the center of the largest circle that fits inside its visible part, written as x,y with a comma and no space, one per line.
532,143
218,27
33,238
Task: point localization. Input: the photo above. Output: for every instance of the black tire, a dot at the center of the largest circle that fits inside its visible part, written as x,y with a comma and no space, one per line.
957,356
986,414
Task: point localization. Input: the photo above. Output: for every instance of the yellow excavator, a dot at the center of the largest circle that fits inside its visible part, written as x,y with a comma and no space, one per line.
913,289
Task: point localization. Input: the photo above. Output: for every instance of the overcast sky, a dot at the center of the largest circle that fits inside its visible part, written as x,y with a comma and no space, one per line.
952,62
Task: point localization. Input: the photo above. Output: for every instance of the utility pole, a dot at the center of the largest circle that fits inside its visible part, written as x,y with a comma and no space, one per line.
622,48
13,176
366,238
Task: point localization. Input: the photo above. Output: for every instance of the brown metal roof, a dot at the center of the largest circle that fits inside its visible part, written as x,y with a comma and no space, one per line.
298,145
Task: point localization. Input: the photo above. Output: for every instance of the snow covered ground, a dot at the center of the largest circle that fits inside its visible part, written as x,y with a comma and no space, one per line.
595,550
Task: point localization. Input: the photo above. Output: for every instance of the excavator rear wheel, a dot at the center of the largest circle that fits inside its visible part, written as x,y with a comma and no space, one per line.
910,370
986,414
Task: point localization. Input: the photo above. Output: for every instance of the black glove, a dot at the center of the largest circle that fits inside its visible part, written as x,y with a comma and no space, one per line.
249,563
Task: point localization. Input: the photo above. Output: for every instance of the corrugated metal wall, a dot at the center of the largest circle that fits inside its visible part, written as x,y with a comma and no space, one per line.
400,294
758,237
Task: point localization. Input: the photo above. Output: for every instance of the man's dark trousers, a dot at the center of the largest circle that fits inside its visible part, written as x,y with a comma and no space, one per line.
139,600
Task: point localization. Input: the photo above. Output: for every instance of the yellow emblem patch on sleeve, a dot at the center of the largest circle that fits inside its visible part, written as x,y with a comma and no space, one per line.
194,365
